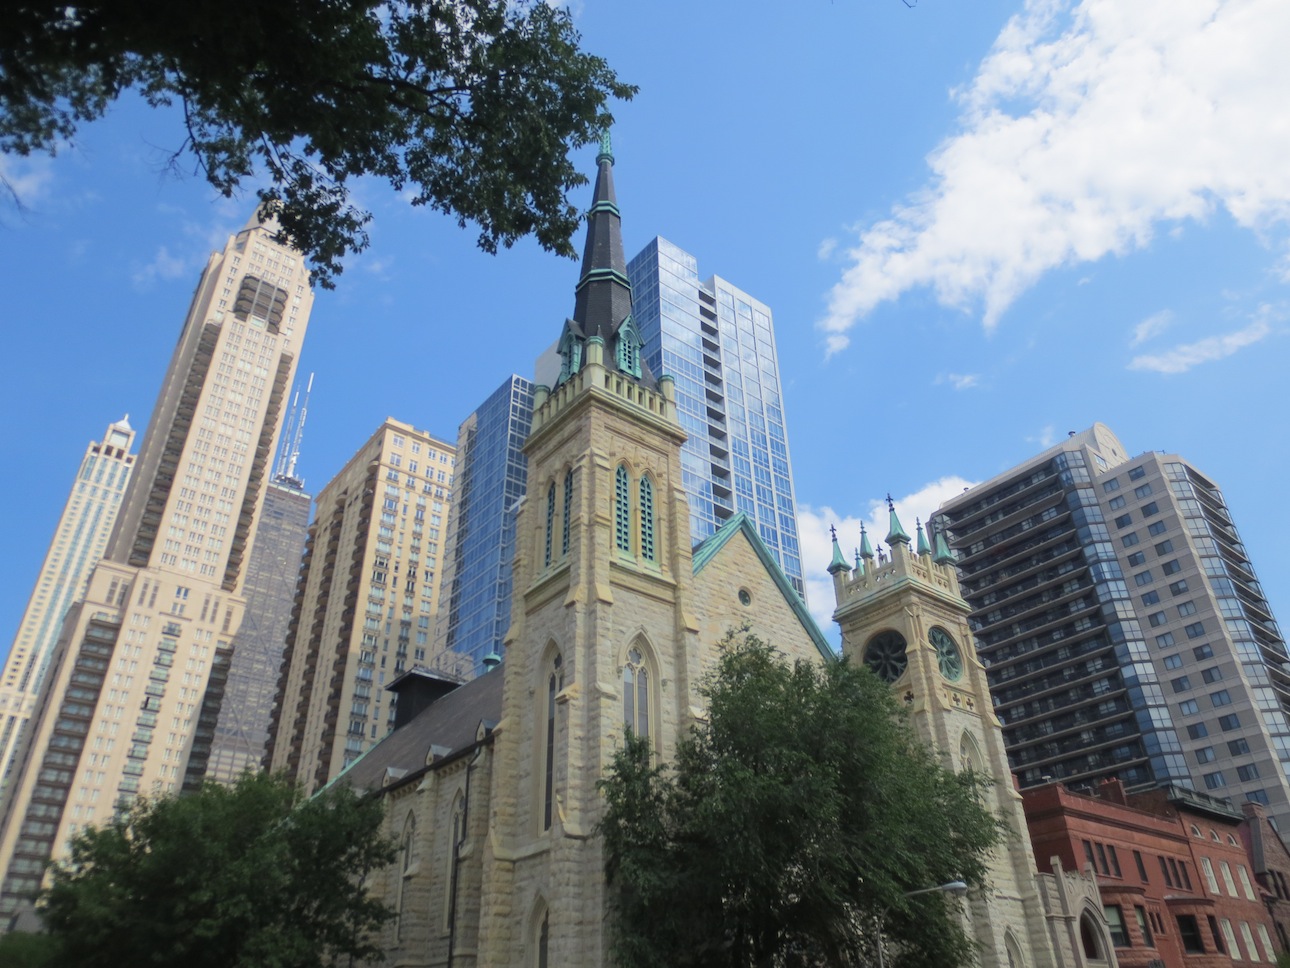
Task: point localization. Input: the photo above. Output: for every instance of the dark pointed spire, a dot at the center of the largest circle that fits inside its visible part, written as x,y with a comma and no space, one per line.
896,534
604,296
839,563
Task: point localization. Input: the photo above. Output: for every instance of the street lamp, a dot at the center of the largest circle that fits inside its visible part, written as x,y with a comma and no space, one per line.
957,888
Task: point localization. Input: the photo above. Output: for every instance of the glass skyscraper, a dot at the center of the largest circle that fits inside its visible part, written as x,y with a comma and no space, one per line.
475,608
718,343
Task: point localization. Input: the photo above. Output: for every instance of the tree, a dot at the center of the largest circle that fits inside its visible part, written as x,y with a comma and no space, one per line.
474,105
22,949
251,875
796,818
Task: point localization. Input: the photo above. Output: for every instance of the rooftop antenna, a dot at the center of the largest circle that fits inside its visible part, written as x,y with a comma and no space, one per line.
286,471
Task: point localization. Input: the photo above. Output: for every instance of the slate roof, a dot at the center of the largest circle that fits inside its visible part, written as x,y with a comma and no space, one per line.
450,725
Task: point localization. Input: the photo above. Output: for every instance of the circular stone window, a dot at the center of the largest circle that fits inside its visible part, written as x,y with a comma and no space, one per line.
745,597
948,656
886,657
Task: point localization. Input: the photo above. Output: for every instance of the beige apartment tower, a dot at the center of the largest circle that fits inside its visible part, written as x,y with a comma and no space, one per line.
133,688
365,604
79,542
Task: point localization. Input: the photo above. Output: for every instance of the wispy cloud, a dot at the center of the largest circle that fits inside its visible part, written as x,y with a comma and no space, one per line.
1182,358
960,381
163,265
1151,327
1088,126
817,546
1045,438
25,181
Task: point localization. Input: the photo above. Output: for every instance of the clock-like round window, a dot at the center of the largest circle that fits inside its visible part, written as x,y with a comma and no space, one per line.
886,656
948,656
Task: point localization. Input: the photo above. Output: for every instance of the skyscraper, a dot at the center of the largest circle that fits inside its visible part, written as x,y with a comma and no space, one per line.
718,343
365,602
491,474
141,661
1122,624
79,541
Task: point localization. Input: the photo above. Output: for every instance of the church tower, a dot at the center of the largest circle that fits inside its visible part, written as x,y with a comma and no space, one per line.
602,631
904,617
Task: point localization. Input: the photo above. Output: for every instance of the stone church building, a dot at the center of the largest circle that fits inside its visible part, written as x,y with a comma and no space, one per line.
490,786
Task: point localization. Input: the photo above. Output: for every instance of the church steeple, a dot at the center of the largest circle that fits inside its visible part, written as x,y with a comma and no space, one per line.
604,296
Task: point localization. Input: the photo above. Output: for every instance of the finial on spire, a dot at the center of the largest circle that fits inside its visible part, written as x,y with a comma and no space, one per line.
839,563
606,148
923,547
859,563
896,533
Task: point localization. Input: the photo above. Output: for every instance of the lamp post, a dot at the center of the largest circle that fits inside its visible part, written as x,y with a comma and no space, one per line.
957,888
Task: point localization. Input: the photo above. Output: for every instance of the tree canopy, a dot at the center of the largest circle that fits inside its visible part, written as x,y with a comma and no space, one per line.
470,106
790,829
249,875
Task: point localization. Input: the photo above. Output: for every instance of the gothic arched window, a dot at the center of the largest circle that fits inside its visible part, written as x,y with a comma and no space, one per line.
647,518
636,693
555,682
568,513
550,520
407,857
622,510
543,945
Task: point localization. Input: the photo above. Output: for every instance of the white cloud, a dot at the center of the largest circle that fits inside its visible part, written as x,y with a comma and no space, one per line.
826,249
1091,124
1045,438
26,181
1151,327
164,265
1182,358
960,381
817,546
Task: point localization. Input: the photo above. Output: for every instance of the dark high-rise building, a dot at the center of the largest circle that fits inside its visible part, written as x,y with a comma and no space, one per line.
1124,629
270,587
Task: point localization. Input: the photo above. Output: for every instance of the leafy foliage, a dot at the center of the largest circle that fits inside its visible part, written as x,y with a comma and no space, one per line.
472,105
790,828
250,875
22,949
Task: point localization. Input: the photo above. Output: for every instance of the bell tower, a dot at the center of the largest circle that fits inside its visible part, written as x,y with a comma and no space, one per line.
602,634
903,617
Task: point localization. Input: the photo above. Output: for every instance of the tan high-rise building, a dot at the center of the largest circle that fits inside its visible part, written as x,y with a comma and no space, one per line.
134,685
79,542
365,606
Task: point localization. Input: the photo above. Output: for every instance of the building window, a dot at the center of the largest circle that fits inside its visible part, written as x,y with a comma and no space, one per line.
1123,521
1182,683
1164,640
1178,587
1144,927
1205,754
1150,509
1155,528
1221,698
543,945
647,518
1137,473
1229,936
1157,619
1238,747
1115,923
1189,707
1214,781
555,682
1195,630
1229,722
1208,868
1143,490
622,510
568,513
1247,772
550,520
1112,485
1165,547
1189,934
636,694
1130,539
1142,868
1151,598
1212,674
1202,652
1142,578
1136,559
1116,502
1173,662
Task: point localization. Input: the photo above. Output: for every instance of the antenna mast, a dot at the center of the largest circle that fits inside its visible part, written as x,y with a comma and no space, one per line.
300,432
293,432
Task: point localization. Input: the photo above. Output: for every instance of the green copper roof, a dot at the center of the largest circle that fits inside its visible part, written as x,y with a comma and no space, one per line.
707,549
923,547
943,555
866,549
838,563
606,148
896,533
859,563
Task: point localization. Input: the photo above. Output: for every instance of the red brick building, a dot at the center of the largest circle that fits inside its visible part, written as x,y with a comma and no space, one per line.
1171,868
1270,864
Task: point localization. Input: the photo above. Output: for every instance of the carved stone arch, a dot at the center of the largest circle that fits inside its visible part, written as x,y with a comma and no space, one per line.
455,830
970,757
886,654
1094,939
1013,950
405,870
537,934
640,682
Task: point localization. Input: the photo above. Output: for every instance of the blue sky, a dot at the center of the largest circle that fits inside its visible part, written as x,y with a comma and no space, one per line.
979,226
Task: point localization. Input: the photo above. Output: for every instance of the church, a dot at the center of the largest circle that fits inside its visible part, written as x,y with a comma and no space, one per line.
490,786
